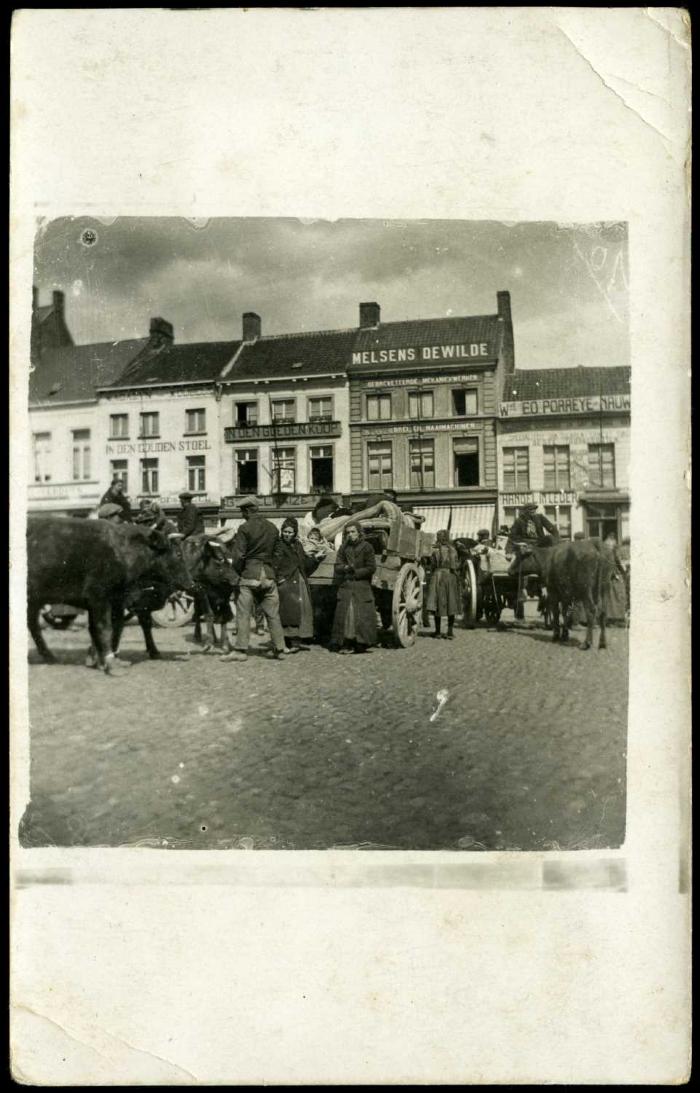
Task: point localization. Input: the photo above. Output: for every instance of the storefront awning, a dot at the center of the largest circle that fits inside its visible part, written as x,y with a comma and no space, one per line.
598,497
466,519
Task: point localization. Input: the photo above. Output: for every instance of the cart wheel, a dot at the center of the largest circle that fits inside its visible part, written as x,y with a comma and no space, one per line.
178,611
469,595
406,605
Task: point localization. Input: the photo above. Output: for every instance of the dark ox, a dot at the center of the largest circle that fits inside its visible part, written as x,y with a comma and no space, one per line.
576,572
98,566
215,581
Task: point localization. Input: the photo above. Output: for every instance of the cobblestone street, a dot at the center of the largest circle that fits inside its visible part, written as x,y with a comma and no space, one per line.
528,752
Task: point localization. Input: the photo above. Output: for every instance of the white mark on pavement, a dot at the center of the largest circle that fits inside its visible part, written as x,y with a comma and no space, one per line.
202,711
181,766
442,697
175,779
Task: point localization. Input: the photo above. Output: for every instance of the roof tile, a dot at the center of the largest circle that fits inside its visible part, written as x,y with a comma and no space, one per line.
538,383
74,372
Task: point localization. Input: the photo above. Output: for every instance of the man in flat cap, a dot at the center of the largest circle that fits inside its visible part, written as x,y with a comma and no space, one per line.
189,518
115,495
251,553
530,529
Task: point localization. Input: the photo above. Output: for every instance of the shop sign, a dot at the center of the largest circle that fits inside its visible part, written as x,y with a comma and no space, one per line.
64,491
282,430
583,404
423,353
425,381
420,428
273,501
541,497
157,447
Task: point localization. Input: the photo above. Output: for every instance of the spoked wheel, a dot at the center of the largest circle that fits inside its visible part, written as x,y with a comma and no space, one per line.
178,611
407,605
469,594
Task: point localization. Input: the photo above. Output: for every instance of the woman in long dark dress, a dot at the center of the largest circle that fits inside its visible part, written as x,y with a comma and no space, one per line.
355,621
292,566
443,588
615,595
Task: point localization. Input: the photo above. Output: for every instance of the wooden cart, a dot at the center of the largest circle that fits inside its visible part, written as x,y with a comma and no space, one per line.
399,579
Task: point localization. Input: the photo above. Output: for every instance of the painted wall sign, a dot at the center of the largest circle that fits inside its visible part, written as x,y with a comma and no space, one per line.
289,500
420,428
542,497
582,404
156,447
423,381
423,353
72,491
282,430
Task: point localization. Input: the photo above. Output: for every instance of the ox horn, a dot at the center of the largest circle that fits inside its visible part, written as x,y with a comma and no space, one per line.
175,536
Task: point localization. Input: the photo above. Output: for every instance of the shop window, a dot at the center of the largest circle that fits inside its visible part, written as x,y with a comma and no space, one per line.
379,465
321,468
421,404
196,421
464,402
284,409
422,457
516,469
601,520
321,409
149,476
197,473
119,468
247,470
284,470
378,407
466,462
150,424
560,515
42,457
81,455
601,465
118,426
557,470
246,413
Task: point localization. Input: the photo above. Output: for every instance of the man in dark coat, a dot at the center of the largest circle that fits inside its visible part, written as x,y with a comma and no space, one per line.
252,553
115,496
532,527
189,519
355,622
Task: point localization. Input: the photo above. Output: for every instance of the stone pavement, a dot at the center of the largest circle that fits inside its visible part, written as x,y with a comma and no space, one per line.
528,752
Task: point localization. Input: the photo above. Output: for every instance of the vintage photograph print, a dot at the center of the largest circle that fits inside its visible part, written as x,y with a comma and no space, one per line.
328,535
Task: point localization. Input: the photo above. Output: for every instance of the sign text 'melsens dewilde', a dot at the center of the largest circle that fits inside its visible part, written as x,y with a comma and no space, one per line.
421,353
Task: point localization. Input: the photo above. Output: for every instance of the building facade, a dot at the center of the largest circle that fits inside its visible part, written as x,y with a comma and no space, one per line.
424,398
564,442
285,410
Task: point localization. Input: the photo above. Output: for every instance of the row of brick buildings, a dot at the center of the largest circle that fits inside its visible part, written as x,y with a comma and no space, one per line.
434,408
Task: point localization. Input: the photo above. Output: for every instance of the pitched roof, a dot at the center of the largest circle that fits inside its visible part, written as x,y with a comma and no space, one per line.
282,355
196,362
72,373
538,383
455,330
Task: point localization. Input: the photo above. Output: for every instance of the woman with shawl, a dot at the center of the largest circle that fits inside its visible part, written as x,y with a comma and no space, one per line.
292,565
355,621
443,590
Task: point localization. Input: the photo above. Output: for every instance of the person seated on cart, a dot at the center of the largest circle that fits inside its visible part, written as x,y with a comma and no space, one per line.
530,529
115,495
389,499
443,588
355,620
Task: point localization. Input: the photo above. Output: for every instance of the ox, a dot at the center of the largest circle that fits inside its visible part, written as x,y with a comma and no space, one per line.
215,581
577,572
98,566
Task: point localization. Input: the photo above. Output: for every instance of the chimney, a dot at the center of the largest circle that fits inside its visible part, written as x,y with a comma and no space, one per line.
160,333
59,302
508,344
369,315
252,326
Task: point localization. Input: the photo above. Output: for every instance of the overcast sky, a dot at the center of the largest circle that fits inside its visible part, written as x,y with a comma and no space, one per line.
568,284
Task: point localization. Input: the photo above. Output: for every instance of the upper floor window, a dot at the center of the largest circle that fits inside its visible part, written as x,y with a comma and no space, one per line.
81,454
321,408
118,426
464,402
284,470
378,407
601,464
379,465
42,457
196,473
246,413
149,476
284,409
516,469
421,404
557,471
196,421
150,424
422,457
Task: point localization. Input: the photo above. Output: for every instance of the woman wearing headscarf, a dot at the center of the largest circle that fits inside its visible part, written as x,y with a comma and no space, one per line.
355,621
615,593
443,589
292,566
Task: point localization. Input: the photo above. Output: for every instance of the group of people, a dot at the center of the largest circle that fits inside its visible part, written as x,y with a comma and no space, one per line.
116,507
